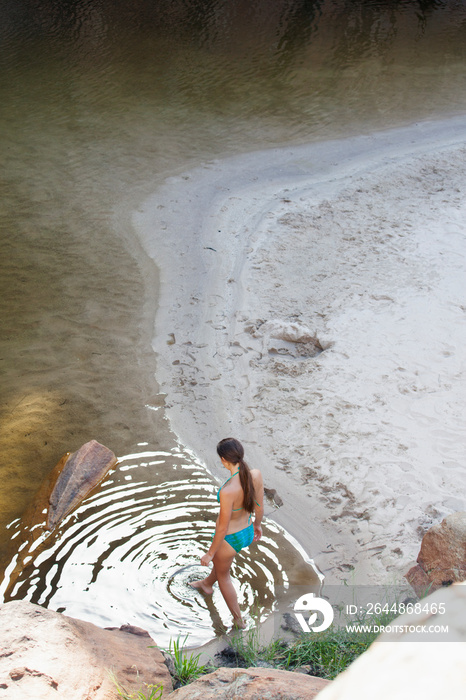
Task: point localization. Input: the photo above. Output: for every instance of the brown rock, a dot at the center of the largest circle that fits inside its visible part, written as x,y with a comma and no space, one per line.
419,581
81,472
443,551
251,684
273,496
47,655
442,558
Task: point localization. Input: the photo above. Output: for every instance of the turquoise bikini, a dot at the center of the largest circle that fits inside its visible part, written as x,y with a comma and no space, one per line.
242,538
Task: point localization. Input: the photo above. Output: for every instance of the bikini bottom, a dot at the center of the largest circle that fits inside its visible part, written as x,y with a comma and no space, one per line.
242,538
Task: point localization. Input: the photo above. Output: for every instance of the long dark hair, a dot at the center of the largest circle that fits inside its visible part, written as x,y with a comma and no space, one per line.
233,451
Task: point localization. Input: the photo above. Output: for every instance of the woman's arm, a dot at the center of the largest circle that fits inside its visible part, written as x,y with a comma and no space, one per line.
221,529
259,504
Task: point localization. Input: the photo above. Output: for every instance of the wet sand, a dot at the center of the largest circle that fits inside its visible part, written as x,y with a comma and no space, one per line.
360,243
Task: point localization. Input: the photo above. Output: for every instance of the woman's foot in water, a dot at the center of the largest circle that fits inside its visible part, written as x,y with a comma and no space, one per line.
202,586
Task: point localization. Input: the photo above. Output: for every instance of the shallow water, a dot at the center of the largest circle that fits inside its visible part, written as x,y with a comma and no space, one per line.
130,550
99,102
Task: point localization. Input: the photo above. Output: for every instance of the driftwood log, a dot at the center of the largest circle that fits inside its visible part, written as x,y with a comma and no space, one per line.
74,477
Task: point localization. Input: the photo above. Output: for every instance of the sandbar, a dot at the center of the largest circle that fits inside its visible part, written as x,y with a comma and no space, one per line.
360,243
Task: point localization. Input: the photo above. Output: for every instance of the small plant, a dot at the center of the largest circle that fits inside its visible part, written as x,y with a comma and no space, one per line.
248,650
326,654
246,646
187,669
152,693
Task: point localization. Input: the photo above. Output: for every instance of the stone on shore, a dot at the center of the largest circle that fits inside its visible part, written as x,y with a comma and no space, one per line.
251,684
286,338
442,558
44,654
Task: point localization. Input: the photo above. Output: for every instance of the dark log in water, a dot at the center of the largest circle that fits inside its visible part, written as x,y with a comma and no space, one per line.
74,477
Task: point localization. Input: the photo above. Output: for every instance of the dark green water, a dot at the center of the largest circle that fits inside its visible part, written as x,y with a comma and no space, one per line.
99,103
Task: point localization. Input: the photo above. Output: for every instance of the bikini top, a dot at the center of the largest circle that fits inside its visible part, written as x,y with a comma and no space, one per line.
226,482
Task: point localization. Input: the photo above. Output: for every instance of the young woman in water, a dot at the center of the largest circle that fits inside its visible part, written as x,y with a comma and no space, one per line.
240,496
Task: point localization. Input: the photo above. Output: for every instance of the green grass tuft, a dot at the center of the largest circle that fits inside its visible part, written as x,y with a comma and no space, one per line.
187,668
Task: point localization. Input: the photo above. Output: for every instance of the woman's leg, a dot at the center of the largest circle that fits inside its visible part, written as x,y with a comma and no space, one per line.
223,560
205,585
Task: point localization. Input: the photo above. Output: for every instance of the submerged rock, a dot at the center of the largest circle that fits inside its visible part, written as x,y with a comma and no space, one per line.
80,473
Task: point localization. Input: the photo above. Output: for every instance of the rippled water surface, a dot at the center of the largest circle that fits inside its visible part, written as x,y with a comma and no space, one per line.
128,553
100,102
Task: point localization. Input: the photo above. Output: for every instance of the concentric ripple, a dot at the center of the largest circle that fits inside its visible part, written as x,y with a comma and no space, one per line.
128,553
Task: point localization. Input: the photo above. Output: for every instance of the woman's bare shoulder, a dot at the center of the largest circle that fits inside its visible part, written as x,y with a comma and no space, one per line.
256,475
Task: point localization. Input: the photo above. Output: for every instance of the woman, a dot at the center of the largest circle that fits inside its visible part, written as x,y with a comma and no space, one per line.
241,495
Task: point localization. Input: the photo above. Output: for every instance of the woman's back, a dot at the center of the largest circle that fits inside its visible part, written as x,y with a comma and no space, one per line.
233,489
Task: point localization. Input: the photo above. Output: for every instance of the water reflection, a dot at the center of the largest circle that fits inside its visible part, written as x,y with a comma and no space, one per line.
129,551
262,36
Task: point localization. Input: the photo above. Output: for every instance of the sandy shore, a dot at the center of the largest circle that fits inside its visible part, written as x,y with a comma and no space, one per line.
359,243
